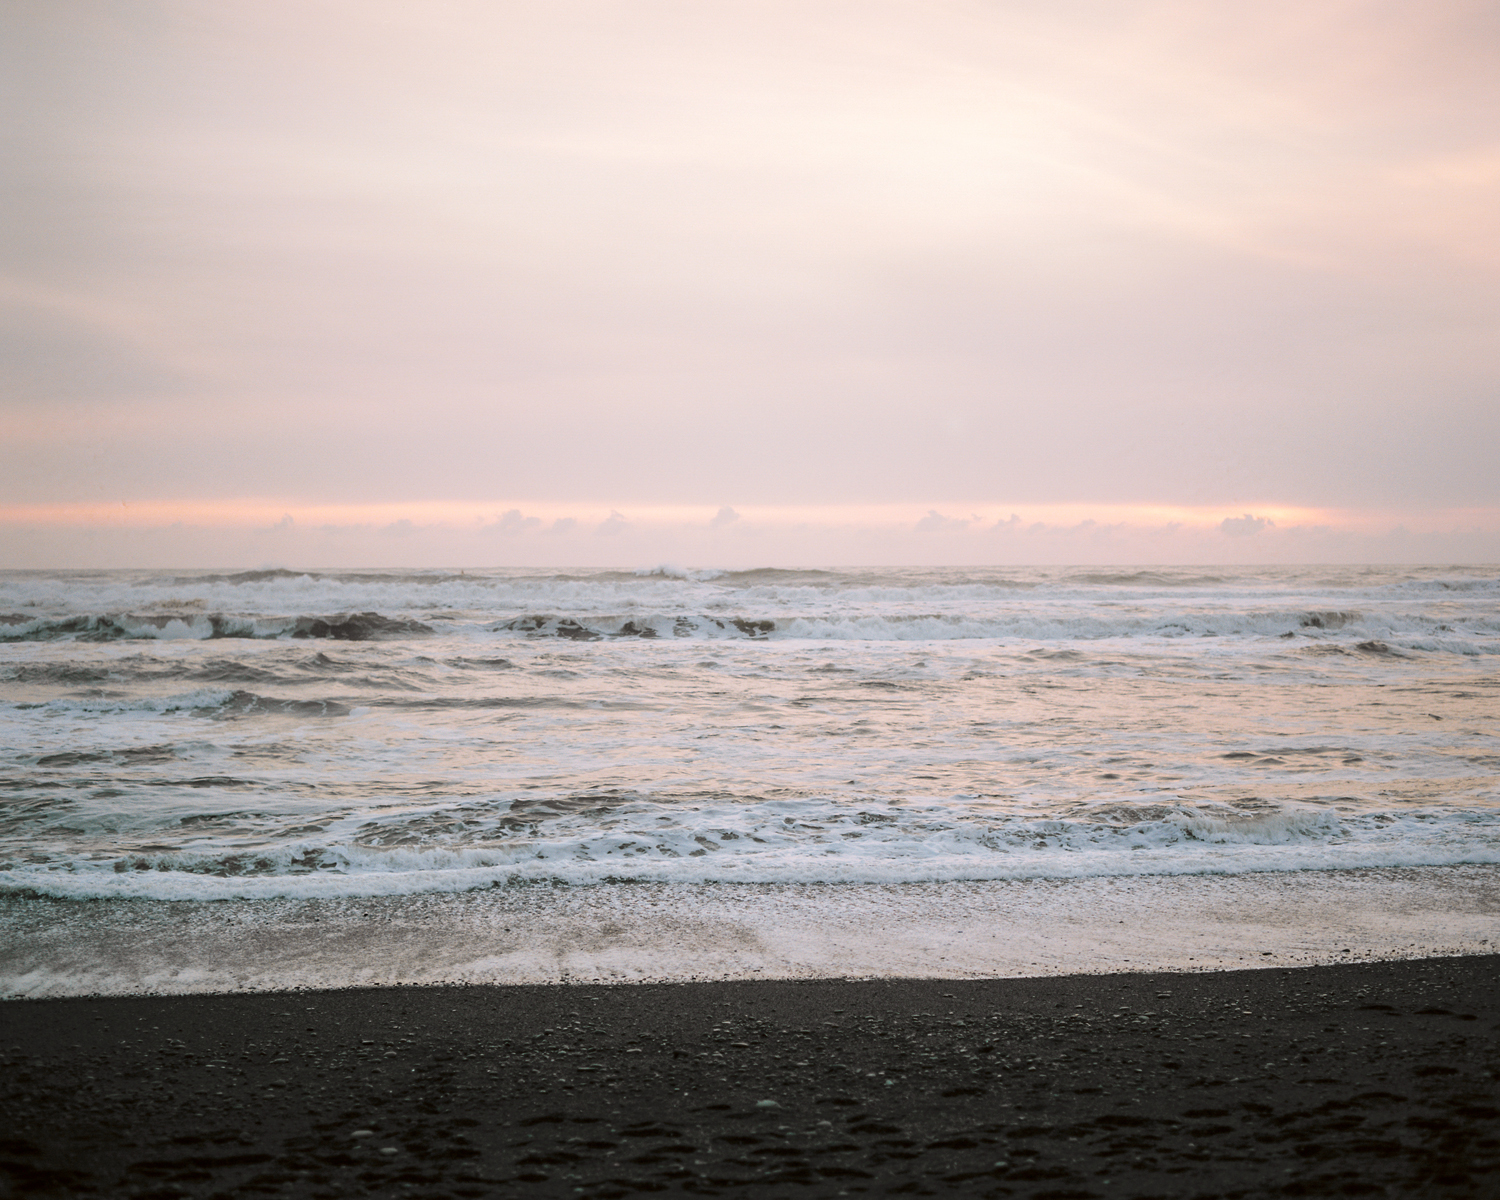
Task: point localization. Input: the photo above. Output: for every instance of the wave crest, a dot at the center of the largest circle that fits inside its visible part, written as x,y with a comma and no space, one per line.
599,837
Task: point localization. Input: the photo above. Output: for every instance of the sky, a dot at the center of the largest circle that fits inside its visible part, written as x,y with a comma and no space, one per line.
748,282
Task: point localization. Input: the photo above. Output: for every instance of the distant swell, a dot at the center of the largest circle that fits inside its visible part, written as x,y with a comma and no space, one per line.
203,700
110,627
643,627
358,627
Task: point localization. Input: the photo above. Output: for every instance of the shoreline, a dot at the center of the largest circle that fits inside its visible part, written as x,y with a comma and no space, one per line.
653,933
1365,1078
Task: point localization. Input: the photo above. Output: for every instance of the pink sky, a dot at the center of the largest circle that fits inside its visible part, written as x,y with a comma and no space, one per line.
728,284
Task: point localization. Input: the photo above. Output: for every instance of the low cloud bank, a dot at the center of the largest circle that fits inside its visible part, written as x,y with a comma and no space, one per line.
584,536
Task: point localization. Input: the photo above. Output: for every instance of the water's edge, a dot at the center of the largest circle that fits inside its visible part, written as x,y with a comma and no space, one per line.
679,932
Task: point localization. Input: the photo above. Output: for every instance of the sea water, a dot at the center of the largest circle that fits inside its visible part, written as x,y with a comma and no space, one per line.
334,737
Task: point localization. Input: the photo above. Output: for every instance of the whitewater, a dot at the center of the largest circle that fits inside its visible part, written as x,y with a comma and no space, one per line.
338,737
284,779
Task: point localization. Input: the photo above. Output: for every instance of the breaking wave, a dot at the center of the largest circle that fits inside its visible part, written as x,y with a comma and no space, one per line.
1408,610
110,627
620,838
202,700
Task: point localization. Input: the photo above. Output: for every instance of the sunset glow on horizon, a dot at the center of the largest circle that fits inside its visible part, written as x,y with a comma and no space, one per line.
266,534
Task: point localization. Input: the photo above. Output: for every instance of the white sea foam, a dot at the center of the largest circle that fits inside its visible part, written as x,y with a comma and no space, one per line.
343,734
197,700
1428,610
773,842
638,932
669,571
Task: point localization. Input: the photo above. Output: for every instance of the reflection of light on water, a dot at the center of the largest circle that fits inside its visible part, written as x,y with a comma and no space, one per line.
781,725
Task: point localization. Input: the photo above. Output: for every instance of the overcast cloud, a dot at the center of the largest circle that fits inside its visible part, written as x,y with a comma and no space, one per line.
767,281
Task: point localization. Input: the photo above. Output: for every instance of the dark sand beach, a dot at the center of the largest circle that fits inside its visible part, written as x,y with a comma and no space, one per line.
1365,1079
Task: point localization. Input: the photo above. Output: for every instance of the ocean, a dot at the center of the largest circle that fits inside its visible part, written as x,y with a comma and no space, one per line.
228,748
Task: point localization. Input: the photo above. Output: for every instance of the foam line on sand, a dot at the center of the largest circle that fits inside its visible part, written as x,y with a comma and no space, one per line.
659,932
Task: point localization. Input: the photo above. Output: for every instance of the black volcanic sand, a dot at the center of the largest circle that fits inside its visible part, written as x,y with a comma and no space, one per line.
1366,1079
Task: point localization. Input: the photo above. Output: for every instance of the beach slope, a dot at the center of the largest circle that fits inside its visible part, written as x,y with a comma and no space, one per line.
1361,1079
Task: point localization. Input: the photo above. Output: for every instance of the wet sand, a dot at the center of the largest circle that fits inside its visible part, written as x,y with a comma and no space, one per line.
662,933
1365,1079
